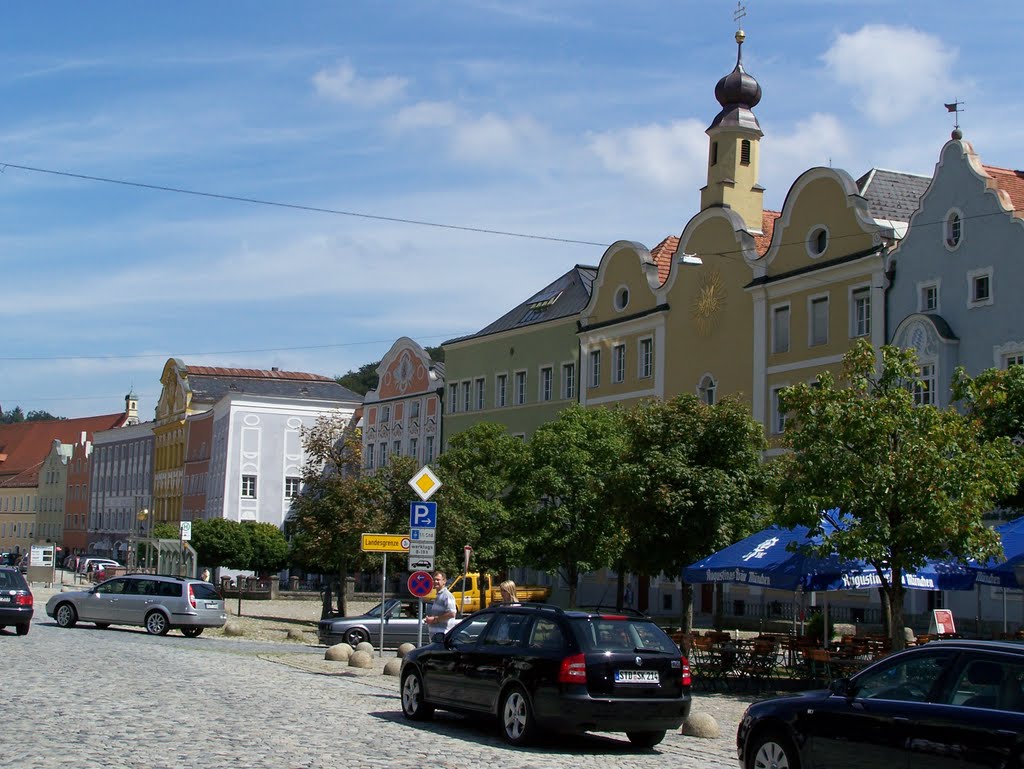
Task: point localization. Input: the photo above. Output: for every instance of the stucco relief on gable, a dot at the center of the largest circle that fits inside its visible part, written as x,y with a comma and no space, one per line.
406,375
920,336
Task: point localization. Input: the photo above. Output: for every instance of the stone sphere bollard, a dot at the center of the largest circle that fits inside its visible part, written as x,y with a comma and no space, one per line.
294,634
701,725
405,649
233,628
360,659
365,646
338,653
393,667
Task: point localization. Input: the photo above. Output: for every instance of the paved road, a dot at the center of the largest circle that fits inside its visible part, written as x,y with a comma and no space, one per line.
120,698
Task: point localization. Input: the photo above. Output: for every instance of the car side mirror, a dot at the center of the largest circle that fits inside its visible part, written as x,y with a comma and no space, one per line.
437,638
841,687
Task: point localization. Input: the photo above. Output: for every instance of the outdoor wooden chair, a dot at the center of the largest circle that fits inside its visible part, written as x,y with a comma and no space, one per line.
707,666
818,665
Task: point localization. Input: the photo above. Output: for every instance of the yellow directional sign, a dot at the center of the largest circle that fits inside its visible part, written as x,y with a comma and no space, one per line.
385,543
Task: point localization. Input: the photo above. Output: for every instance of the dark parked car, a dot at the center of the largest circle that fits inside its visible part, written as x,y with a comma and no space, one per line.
537,667
16,602
950,703
401,625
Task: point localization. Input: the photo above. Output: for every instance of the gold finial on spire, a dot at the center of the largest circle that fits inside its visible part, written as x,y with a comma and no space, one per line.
739,13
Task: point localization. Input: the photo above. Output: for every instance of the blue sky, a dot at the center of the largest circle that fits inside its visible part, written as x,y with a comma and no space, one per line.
573,120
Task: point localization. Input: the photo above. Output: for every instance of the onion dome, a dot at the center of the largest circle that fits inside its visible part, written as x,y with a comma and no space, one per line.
738,93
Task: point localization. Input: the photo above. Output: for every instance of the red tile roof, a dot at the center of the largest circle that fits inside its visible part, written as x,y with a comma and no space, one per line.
1011,182
662,255
762,241
26,444
252,373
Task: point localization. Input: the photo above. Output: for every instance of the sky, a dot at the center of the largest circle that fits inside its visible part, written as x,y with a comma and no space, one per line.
356,163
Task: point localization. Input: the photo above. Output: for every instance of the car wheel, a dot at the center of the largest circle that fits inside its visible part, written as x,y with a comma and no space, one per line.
518,726
66,615
355,636
156,623
23,628
191,632
772,751
413,705
646,739
102,625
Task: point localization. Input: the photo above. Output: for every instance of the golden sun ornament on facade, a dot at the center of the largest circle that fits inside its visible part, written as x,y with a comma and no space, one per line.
708,303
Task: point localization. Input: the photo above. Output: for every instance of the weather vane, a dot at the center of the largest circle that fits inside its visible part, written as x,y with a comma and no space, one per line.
956,108
741,11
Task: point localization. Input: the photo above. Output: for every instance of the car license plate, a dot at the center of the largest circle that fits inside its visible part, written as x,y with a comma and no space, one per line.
5,599
211,604
636,677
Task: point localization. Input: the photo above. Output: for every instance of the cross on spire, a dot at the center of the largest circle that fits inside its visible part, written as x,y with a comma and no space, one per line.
739,13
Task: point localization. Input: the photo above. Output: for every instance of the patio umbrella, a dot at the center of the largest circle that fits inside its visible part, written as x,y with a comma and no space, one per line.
764,559
1006,573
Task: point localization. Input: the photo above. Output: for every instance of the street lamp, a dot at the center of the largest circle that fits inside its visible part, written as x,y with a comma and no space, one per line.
144,525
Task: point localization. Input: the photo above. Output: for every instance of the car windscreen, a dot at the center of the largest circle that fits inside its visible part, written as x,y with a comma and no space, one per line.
618,634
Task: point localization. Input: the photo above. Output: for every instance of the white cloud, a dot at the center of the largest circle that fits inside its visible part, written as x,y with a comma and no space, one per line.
671,156
893,71
426,114
344,85
495,139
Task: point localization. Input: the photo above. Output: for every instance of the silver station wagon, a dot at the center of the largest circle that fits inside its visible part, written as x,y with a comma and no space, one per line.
157,603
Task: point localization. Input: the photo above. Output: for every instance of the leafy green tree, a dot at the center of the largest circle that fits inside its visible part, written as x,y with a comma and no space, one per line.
569,522
480,469
219,542
269,547
692,482
360,380
165,530
41,416
995,400
436,353
336,507
12,417
912,482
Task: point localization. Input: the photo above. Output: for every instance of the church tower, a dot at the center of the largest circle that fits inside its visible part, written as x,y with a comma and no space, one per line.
735,146
131,408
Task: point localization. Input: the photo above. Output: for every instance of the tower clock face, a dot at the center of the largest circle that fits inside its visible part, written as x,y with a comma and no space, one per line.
709,302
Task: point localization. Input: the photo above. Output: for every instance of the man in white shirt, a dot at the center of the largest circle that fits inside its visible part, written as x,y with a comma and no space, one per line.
442,611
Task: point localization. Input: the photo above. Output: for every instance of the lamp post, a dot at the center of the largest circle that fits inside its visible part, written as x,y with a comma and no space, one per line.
144,520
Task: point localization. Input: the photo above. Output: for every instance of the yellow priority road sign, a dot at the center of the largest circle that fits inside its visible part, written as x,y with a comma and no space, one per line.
385,543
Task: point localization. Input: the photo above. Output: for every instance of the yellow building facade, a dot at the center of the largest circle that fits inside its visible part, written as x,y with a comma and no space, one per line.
819,287
169,438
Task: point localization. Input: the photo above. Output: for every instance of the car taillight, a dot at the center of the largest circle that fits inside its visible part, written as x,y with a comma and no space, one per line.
23,600
191,597
573,670
685,680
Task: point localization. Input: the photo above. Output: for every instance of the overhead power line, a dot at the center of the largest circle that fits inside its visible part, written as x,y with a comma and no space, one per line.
299,207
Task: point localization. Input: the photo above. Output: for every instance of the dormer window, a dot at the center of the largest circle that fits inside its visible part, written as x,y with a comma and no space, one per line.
745,152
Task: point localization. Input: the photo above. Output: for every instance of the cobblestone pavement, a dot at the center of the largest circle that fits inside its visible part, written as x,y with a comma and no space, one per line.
122,698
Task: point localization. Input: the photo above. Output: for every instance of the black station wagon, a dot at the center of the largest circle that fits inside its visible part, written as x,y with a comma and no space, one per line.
536,667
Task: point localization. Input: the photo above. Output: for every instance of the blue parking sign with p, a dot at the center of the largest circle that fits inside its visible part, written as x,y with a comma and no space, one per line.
423,515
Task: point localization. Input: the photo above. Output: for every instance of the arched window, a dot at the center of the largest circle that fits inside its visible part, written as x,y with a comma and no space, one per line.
745,152
706,389
954,229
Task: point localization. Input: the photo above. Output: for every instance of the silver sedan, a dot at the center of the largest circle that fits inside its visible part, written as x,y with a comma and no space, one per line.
401,625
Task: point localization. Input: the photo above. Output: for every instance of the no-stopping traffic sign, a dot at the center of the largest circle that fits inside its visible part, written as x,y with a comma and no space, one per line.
420,583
